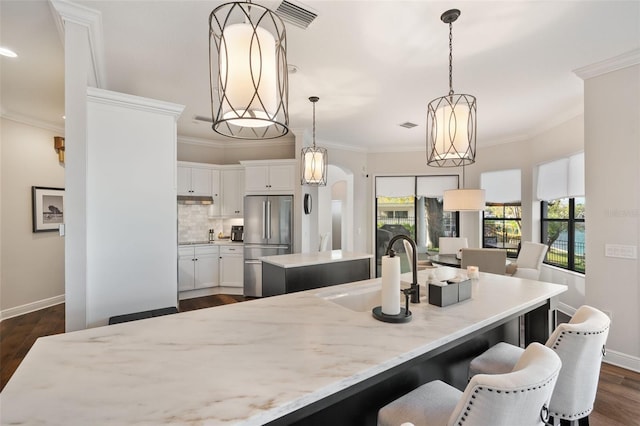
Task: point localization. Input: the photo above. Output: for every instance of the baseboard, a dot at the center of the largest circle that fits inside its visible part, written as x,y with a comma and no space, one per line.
622,360
30,307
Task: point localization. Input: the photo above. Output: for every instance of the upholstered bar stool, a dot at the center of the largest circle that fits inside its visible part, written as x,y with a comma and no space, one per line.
580,345
519,397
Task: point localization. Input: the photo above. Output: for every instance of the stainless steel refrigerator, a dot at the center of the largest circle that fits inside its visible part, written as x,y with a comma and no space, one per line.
268,231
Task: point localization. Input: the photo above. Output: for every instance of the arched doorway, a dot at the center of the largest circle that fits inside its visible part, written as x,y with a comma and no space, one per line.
335,210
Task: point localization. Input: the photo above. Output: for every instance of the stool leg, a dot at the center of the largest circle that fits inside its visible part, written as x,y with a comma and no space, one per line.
583,421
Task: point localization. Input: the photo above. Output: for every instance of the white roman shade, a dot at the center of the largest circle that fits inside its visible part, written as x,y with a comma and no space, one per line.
434,186
502,186
561,178
395,186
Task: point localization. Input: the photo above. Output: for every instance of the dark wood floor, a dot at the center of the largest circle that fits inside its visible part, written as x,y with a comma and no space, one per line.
617,401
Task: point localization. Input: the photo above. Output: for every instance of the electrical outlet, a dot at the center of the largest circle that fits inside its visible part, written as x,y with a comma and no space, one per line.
621,251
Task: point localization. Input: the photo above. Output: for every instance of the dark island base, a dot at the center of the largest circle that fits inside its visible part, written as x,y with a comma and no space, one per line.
277,280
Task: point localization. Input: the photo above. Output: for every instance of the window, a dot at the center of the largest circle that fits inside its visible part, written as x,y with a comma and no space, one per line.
501,218
563,230
412,206
501,224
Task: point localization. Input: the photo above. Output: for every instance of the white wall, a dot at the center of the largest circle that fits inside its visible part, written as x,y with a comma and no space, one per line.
32,264
131,205
612,158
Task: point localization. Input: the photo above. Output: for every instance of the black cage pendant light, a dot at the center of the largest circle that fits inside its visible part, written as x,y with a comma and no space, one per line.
314,159
248,72
451,119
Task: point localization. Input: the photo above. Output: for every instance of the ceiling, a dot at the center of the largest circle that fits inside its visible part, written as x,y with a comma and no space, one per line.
374,64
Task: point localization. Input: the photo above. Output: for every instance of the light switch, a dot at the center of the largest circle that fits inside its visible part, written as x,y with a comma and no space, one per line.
621,251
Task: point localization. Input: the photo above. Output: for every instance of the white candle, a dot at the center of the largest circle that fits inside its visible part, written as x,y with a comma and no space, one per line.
472,271
390,285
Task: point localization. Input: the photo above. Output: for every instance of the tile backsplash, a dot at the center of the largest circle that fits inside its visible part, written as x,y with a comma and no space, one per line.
194,223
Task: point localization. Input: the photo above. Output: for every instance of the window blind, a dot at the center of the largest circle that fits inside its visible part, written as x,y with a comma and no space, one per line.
502,186
434,186
395,186
561,178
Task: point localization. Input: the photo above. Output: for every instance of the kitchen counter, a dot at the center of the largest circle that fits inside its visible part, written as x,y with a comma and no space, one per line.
208,243
247,363
297,260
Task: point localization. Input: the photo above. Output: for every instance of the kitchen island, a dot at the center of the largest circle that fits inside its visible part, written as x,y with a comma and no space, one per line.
289,273
277,360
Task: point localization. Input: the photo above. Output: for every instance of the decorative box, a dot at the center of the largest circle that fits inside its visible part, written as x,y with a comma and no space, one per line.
449,294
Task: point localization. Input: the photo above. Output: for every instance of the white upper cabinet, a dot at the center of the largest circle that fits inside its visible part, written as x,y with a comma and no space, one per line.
232,192
270,176
194,181
216,193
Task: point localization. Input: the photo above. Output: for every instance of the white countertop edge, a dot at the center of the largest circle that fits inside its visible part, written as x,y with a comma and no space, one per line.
297,260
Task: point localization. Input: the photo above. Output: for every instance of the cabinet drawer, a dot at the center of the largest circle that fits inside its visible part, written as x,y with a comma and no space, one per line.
206,250
231,249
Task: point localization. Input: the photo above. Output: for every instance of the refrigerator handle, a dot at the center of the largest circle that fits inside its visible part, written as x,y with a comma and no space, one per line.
264,220
269,220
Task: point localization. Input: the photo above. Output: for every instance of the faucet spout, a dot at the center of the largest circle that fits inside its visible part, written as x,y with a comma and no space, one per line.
415,288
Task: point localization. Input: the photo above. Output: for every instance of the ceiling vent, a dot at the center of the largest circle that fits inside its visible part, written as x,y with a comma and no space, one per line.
408,125
296,14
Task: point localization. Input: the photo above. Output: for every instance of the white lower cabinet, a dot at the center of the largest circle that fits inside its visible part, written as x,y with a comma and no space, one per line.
231,266
198,267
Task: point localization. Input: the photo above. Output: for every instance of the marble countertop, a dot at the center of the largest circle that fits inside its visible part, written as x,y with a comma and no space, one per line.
244,364
225,242
304,259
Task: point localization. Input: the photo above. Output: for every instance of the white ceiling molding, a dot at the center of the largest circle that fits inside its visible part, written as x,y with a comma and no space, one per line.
134,102
66,11
30,121
613,64
236,143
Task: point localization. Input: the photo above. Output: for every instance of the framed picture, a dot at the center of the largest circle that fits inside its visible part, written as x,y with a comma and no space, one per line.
48,208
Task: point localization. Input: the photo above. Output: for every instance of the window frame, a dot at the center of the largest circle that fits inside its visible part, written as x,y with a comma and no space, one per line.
571,222
511,253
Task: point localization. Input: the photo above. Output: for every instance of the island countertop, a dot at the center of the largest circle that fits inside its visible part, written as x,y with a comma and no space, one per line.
247,363
297,260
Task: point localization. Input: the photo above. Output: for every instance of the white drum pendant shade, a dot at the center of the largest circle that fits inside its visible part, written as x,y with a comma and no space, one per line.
240,105
460,200
315,163
451,121
248,67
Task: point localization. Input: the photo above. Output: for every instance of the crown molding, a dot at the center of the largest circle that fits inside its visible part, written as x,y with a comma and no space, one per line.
237,143
608,65
134,102
64,12
30,121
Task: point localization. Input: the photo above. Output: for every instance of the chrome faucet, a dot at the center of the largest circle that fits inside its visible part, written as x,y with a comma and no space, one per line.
415,288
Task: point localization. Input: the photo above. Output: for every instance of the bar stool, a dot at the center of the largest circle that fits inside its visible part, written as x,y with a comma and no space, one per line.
580,345
519,397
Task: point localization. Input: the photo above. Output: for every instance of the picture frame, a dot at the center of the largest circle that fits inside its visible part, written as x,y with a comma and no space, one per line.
47,205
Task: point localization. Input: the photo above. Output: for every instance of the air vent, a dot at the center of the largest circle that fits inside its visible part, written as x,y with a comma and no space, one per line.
296,14
408,125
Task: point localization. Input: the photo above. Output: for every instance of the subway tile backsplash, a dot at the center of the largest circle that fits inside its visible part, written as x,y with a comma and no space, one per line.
194,223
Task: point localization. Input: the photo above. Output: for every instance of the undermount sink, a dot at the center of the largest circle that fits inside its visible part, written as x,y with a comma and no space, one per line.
360,299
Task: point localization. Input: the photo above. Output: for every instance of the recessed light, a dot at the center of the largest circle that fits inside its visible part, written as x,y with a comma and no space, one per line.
8,52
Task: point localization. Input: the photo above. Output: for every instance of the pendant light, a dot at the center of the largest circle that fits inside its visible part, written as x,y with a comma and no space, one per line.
451,119
314,159
248,72
451,134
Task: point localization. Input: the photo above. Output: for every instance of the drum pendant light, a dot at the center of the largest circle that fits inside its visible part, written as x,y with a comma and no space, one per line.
314,159
451,119
248,72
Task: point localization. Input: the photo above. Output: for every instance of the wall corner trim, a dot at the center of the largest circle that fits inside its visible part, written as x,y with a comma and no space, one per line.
608,65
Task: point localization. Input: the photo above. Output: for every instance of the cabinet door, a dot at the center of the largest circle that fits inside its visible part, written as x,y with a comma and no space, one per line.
256,178
231,270
207,274
201,182
216,191
281,177
184,180
186,271
232,192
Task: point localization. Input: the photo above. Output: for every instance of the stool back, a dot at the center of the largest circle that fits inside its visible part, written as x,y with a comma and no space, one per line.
580,345
517,398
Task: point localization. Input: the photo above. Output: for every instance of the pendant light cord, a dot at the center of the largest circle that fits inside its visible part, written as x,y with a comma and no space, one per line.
314,125
450,58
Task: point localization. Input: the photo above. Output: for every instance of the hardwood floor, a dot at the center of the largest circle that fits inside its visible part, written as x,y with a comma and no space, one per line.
617,402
